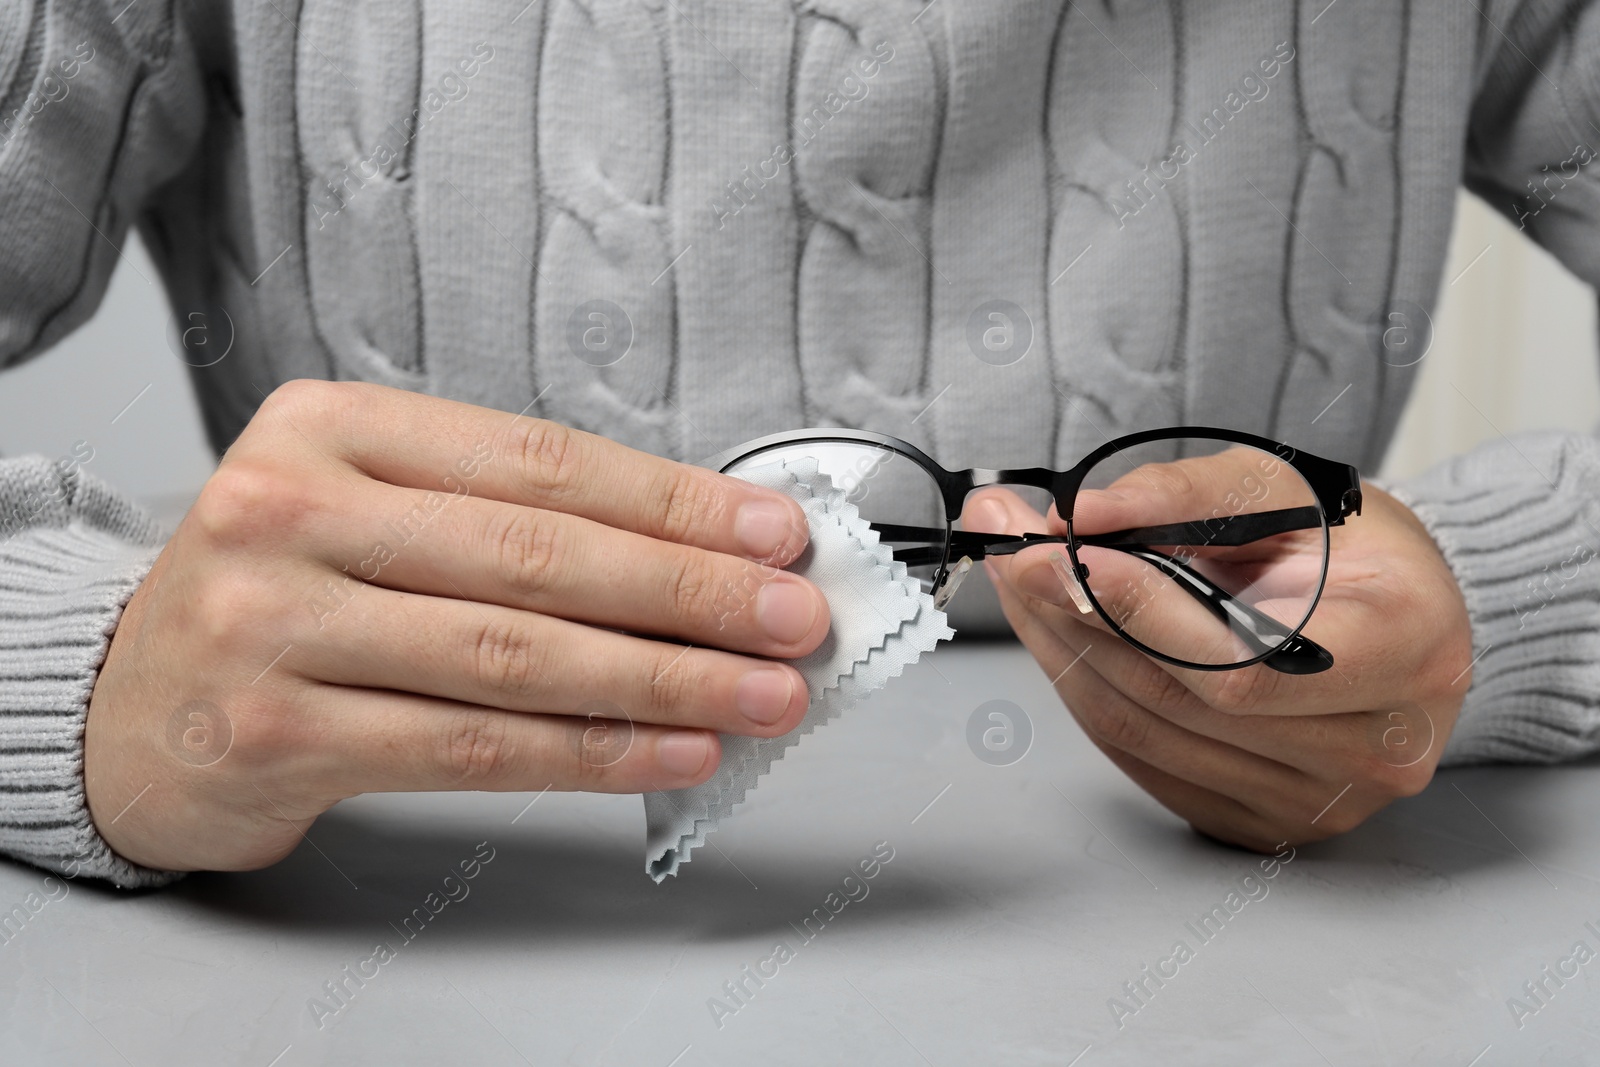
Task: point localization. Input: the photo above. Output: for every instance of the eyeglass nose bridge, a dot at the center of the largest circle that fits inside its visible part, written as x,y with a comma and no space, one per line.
948,579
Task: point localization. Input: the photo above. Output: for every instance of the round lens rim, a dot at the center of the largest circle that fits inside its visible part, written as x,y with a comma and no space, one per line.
868,439
1066,484
1316,597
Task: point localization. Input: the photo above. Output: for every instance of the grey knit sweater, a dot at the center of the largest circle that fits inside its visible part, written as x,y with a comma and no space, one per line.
684,223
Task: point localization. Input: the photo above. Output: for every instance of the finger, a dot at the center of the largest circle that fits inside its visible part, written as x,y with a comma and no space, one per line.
1237,480
1139,597
1350,755
445,446
491,552
1153,593
1112,719
1353,625
521,661
1310,778
1230,799
379,741
1128,589
1213,812
1030,572
1250,812
1215,610
1334,747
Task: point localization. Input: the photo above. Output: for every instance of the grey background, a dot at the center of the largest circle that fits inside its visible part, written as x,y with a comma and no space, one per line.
1019,900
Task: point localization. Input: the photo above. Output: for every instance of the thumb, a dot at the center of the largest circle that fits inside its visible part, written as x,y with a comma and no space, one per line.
1029,572
998,510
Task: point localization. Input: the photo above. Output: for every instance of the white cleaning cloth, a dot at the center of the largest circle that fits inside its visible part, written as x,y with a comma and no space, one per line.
881,621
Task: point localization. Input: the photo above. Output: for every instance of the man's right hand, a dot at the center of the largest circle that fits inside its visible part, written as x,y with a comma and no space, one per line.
381,590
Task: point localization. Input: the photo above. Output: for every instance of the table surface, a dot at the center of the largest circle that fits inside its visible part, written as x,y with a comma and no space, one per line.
1018,901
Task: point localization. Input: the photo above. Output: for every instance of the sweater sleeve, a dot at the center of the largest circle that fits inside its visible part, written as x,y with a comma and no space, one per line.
72,551
1518,519
101,103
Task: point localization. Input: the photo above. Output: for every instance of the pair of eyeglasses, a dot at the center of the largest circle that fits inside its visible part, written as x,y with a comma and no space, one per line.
1206,548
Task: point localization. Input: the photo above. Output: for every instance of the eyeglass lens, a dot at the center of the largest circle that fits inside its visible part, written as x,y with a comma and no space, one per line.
1203,550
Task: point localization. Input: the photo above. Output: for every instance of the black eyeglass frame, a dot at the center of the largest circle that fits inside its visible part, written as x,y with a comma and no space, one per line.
1337,487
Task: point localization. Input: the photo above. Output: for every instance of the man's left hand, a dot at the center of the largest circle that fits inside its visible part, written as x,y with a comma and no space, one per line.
1252,756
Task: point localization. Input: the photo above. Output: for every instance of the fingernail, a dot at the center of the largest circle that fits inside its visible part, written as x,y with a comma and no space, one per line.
763,695
765,527
986,515
1039,580
683,752
785,610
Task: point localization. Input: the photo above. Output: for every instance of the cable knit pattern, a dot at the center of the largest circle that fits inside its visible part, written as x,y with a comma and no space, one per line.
361,246
990,230
603,146
732,66
865,144
1345,191
1116,346
683,224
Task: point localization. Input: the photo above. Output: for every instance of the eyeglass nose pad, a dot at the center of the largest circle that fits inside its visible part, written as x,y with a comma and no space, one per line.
952,582
1069,578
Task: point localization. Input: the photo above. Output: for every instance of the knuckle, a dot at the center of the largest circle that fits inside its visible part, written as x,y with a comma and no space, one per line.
501,663
309,403
693,589
549,454
674,684
333,397
1330,807
476,745
1393,781
300,394
223,610
1158,689
245,501
264,731
1244,690
236,501
685,502
1415,778
1409,781
571,759
1120,726
597,746
528,550
1168,479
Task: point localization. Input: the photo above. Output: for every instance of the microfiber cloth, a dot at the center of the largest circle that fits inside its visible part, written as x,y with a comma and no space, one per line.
881,621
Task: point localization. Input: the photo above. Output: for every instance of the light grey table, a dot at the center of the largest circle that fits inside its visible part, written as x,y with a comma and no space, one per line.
1019,900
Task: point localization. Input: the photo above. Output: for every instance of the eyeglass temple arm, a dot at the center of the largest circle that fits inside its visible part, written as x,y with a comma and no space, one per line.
1295,654
1289,655
1222,531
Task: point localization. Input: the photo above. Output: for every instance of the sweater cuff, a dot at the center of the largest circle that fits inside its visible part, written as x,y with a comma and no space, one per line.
1518,523
72,553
